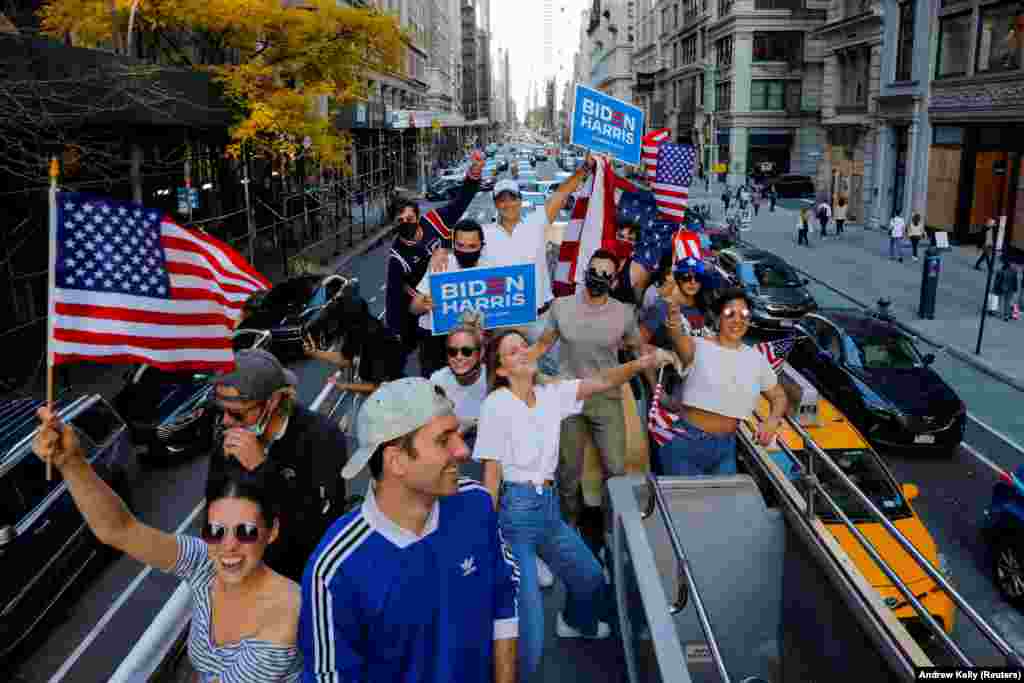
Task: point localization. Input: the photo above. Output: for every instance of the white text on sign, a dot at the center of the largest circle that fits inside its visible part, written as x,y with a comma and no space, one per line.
600,118
486,294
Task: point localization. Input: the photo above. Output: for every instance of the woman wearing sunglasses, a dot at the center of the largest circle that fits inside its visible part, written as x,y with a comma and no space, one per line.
722,388
464,379
244,615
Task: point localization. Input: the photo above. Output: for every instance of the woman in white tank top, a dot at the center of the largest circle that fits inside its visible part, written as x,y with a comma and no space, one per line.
723,387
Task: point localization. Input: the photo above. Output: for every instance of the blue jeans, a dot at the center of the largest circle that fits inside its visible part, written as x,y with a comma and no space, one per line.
895,247
695,452
532,525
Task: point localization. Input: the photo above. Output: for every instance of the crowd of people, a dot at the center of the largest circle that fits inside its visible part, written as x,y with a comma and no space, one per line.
433,576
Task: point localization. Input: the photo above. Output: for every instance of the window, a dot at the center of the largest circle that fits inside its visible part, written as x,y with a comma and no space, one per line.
779,4
675,93
689,50
905,42
664,20
854,70
723,53
700,89
999,38
675,55
686,103
783,46
724,7
767,95
723,96
675,11
954,46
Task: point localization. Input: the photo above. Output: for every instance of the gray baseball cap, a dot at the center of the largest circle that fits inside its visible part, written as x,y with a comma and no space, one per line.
394,410
257,375
506,185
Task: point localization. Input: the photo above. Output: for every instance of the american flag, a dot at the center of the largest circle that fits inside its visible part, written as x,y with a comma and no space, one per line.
660,419
649,152
777,351
131,286
673,178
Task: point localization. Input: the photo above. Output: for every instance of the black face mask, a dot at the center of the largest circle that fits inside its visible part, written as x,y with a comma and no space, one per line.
467,259
597,283
407,231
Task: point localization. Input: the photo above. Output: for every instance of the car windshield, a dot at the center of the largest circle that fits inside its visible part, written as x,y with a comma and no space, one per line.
884,352
863,468
775,274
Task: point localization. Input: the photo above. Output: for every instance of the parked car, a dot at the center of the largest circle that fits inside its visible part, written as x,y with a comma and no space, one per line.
296,307
45,546
168,413
444,190
793,186
848,449
777,292
1003,529
875,374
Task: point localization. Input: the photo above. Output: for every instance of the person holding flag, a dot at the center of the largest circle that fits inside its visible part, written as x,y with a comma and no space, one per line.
721,390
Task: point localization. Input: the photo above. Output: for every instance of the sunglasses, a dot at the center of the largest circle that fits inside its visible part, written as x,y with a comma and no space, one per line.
730,313
687,277
244,533
467,351
236,415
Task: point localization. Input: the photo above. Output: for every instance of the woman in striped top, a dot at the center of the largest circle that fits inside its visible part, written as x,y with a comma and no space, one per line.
244,615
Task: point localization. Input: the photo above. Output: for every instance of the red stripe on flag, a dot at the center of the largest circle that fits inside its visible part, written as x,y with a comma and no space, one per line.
171,242
434,218
131,358
135,315
193,294
229,253
178,268
154,343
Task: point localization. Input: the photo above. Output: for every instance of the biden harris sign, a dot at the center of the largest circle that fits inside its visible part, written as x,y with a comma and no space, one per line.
604,124
504,295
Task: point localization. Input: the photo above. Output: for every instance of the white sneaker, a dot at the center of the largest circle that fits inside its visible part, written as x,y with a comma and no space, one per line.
565,631
544,575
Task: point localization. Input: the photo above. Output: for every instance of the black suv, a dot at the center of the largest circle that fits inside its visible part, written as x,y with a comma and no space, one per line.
778,294
45,545
303,305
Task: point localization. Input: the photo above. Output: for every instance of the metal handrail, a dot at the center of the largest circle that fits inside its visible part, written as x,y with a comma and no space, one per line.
1013,657
686,577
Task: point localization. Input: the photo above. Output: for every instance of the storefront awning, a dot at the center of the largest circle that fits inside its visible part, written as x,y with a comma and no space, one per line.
771,137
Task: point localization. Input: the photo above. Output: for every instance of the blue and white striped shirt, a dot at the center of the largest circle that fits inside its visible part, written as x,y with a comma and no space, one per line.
247,661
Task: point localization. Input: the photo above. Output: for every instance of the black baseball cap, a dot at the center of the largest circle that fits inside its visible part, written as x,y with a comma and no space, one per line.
257,375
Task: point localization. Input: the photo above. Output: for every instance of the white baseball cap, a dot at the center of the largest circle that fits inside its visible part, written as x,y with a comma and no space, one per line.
507,185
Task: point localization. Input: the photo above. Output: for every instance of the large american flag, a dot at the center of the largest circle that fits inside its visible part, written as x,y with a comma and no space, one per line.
131,286
673,178
649,152
776,351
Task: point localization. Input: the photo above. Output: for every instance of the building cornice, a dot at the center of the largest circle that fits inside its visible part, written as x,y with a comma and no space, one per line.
869,19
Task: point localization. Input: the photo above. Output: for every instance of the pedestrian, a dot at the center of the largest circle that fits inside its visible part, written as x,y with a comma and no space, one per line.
757,201
897,227
803,227
591,328
1005,287
773,197
988,245
824,216
518,442
840,215
726,199
707,182
723,388
915,231
268,432
416,584
257,610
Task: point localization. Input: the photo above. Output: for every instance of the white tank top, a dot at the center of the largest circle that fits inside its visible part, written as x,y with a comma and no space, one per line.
727,381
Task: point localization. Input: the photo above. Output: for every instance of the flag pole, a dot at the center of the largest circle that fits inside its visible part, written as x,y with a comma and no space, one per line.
54,172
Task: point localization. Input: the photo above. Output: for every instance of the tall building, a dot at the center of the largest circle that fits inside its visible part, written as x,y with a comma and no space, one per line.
548,38
476,59
607,29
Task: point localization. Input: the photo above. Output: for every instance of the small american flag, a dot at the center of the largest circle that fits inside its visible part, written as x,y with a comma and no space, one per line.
649,152
673,178
130,286
776,351
660,419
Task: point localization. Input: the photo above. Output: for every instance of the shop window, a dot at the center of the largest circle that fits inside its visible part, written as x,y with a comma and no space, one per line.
943,186
954,46
905,42
1000,43
767,95
782,46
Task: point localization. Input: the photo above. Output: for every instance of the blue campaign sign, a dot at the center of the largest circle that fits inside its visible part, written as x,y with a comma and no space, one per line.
602,123
505,295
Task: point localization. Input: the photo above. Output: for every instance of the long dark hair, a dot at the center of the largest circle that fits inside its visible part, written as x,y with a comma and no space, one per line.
232,480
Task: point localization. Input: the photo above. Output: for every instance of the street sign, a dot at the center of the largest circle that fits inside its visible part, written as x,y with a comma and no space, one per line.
187,196
602,123
506,295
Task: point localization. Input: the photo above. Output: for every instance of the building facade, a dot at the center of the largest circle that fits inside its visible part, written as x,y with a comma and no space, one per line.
611,68
852,43
976,103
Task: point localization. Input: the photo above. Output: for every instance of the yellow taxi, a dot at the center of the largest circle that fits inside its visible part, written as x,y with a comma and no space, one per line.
850,451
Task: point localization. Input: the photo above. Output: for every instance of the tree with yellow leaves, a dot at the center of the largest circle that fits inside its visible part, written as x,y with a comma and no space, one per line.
291,56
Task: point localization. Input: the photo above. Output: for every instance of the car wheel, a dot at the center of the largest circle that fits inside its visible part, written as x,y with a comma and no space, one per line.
1008,568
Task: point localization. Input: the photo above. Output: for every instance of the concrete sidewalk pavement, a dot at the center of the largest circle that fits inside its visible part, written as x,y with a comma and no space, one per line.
858,265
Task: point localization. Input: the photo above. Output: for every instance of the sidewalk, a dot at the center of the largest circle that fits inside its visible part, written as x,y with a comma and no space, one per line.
859,265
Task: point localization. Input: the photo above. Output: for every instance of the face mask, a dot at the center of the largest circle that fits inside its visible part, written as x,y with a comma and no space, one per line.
407,231
467,259
260,426
597,283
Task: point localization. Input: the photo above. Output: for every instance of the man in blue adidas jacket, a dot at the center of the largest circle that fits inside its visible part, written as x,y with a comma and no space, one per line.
416,585
419,238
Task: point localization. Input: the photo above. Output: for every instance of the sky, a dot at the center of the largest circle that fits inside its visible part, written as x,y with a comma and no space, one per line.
518,25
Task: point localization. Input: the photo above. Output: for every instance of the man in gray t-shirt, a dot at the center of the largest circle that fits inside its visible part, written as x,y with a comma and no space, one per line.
591,328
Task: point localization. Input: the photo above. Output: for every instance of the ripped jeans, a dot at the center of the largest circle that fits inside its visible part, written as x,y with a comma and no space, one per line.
694,452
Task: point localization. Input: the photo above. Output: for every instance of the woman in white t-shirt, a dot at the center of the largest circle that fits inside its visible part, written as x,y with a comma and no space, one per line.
517,440
723,388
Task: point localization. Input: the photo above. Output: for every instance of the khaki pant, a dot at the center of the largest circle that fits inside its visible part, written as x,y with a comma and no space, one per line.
609,426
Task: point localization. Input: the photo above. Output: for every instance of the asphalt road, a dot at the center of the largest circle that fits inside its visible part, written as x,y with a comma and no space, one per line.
87,640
